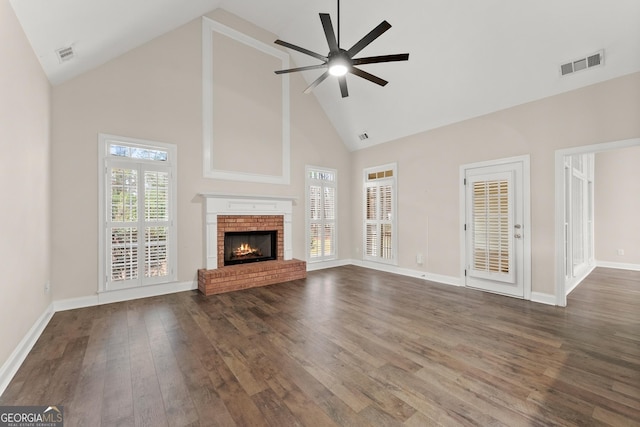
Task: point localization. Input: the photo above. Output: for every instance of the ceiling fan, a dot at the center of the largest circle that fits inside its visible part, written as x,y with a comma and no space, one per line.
338,61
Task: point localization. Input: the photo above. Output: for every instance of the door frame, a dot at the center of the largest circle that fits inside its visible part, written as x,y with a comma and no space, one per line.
560,278
526,215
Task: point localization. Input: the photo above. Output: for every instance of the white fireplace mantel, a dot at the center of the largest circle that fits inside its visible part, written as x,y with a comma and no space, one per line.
243,204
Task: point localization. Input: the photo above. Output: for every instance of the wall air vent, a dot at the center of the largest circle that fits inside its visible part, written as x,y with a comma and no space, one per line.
65,54
580,64
363,136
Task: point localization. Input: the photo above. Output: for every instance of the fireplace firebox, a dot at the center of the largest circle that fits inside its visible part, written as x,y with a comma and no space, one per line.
250,246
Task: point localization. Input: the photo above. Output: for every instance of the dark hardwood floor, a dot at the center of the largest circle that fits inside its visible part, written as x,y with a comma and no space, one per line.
347,346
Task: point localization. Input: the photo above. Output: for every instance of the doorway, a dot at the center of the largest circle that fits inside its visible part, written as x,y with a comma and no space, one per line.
565,282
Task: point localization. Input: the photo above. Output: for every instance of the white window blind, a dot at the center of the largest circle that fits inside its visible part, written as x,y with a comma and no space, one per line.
491,226
321,214
380,219
138,197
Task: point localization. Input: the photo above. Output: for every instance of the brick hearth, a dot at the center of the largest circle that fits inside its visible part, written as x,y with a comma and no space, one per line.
244,276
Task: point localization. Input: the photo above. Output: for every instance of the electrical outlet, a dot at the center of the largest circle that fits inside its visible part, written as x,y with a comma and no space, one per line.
620,251
47,287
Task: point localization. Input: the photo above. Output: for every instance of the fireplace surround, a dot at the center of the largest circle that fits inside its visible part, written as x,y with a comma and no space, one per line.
231,213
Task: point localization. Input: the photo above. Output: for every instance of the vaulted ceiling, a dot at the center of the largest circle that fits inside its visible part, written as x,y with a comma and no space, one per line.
467,57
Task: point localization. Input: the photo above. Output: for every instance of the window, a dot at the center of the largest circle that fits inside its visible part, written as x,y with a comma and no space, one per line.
380,229
321,214
137,212
490,224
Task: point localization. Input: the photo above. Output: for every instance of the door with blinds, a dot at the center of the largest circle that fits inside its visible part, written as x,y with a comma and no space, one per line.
137,226
494,229
380,236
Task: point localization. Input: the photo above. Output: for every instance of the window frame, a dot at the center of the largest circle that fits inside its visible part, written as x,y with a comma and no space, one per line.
106,161
378,182
308,220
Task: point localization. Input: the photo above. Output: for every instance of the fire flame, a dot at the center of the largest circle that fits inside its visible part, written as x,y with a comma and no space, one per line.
245,249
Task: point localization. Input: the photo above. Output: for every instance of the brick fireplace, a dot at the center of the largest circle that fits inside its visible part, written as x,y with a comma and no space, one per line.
236,213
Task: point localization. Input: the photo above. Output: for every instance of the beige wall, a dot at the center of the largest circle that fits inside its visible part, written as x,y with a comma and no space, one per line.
428,168
617,206
24,184
150,94
155,93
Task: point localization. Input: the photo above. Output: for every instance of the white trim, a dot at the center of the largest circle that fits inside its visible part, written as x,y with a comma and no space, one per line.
526,214
20,353
575,281
560,285
145,292
224,195
432,277
321,265
542,298
74,303
618,265
209,26
109,297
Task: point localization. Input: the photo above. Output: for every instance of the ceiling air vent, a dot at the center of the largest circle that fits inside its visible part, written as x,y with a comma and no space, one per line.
363,136
580,64
65,54
594,60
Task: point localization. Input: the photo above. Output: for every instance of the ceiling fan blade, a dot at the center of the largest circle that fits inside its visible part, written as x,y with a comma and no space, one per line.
377,80
317,82
343,86
309,67
325,18
383,58
373,34
302,50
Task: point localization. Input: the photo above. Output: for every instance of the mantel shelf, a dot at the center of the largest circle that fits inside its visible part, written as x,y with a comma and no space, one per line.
222,195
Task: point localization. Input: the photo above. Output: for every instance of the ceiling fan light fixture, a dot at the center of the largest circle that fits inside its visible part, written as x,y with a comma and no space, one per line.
338,68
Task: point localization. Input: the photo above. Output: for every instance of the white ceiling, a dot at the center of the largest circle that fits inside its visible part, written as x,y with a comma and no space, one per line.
467,57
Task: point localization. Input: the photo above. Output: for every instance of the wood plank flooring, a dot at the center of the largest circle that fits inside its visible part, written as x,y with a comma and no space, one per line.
345,347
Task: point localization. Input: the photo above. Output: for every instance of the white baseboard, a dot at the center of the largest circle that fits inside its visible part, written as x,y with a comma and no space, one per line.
321,265
145,292
570,285
618,265
13,363
543,298
109,297
439,278
73,303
